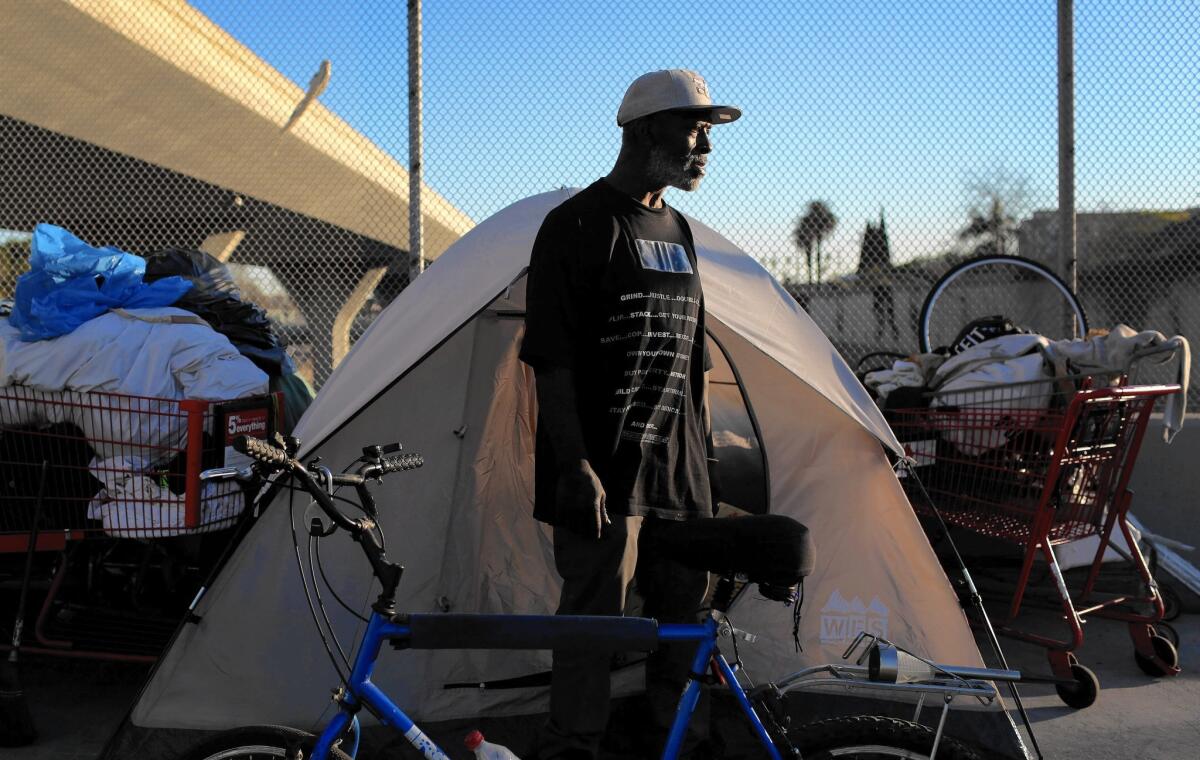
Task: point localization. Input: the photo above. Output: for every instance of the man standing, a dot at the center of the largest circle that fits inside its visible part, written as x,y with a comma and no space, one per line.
615,334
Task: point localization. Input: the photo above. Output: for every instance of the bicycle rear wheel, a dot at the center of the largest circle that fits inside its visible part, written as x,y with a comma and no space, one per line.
1024,291
258,743
874,737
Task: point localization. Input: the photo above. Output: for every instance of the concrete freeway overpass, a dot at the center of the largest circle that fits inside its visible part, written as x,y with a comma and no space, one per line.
145,125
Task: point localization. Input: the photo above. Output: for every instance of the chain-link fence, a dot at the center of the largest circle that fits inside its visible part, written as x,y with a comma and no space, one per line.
881,143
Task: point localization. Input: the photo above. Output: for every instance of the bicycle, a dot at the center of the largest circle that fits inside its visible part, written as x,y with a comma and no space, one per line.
887,665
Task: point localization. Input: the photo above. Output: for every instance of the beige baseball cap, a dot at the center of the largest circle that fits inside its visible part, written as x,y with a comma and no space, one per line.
671,90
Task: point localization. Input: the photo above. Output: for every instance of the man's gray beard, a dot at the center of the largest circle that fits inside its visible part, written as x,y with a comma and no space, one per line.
665,169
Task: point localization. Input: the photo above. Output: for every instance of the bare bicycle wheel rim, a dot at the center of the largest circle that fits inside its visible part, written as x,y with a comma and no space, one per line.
930,319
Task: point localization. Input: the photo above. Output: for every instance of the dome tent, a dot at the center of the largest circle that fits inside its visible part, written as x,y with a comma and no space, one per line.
438,370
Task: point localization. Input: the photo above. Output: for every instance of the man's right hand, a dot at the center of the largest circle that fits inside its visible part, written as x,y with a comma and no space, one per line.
580,499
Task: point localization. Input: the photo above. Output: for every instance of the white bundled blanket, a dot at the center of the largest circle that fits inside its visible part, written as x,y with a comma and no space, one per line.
164,354
1013,359
161,353
1001,374
1119,350
1032,363
911,372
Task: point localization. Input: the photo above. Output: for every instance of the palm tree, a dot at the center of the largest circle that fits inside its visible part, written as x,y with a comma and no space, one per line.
811,230
818,223
804,238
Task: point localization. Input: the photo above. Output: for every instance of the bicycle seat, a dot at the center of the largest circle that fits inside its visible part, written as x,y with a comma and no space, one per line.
767,549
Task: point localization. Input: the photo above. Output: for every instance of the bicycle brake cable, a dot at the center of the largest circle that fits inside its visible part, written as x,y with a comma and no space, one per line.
333,496
374,520
321,604
737,655
328,585
307,594
315,549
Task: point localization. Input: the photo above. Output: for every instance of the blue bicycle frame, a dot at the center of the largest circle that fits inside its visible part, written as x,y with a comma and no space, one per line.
706,634
546,629
458,631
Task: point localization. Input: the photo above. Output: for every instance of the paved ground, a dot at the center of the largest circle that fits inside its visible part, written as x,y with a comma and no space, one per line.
1135,716
75,704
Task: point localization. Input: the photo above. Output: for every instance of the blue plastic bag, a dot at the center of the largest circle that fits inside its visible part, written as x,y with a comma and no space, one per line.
70,282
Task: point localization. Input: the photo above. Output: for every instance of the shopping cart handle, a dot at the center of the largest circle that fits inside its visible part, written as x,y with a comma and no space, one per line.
226,473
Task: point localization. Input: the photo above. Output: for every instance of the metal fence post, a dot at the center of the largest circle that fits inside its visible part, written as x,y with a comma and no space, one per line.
415,137
1066,144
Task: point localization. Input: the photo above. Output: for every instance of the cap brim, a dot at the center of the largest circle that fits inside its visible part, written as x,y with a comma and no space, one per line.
716,114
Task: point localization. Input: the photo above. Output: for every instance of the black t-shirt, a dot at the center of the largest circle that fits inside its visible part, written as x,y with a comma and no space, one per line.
614,295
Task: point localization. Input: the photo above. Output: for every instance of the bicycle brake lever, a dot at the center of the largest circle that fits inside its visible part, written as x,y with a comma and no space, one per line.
325,473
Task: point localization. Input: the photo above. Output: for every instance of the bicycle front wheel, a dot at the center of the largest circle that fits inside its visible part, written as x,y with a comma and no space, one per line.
1025,292
874,737
259,743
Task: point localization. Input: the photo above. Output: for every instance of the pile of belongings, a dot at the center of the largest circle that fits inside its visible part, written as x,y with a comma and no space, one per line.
1010,371
1034,362
215,297
91,320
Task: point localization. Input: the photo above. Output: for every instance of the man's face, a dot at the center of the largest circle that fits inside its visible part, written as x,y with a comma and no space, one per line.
679,149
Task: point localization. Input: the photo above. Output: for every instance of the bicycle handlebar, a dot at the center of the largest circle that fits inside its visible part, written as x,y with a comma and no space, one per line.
397,464
363,530
262,451
277,459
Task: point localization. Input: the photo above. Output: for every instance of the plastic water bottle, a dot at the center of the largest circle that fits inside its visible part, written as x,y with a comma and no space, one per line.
485,750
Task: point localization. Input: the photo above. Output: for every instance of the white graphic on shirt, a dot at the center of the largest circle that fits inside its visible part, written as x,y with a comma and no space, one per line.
663,257
643,371
655,332
639,334
652,296
656,353
653,315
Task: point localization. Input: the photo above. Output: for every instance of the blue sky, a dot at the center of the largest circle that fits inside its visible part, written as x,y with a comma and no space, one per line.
866,105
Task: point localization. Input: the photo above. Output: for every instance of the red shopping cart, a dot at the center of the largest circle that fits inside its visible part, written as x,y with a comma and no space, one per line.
1038,465
124,469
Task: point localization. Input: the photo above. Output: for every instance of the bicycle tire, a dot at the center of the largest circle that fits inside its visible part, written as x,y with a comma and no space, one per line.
257,743
940,321
868,737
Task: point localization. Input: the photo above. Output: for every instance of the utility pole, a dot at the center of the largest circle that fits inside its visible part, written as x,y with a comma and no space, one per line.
1066,146
416,243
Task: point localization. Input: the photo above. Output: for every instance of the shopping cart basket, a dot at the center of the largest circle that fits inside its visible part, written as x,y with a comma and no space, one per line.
119,467
1040,464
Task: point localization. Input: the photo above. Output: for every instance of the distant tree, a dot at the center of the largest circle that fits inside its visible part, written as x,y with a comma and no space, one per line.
875,252
817,223
989,231
998,198
804,239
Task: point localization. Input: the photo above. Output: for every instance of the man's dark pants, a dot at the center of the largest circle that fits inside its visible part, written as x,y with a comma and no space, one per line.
596,575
